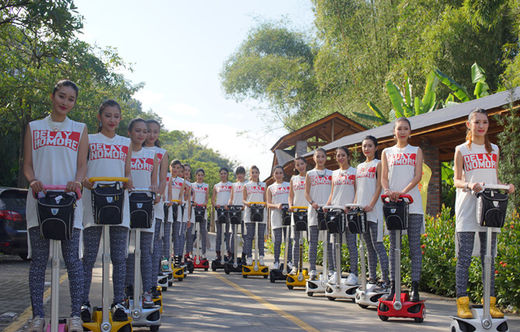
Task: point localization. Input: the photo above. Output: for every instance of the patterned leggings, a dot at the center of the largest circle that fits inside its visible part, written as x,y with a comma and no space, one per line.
313,247
190,236
179,237
40,255
118,249
278,243
414,242
166,239
250,235
465,241
146,262
375,250
157,251
296,248
218,240
232,240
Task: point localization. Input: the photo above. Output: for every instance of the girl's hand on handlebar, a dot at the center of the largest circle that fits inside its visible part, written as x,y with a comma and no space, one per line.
87,184
128,184
511,188
476,187
315,206
279,206
394,195
368,208
154,188
36,186
73,186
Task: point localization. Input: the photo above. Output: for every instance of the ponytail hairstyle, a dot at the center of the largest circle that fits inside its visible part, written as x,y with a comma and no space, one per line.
105,104
63,83
240,170
469,135
374,141
150,121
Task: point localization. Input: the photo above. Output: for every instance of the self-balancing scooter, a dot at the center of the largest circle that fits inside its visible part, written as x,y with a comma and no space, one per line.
491,212
198,261
141,214
257,216
300,224
56,217
357,224
108,207
396,217
222,219
235,219
281,272
318,286
338,288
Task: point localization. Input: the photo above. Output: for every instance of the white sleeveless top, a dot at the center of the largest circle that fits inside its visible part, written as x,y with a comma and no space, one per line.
255,193
107,157
298,186
142,167
176,184
158,208
401,170
366,182
223,192
238,193
321,183
478,166
343,191
279,194
54,156
199,196
188,186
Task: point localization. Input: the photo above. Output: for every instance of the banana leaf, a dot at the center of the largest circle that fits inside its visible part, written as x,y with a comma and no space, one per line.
407,91
417,106
375,119
377,112
429,98
457,90
396,98
477,73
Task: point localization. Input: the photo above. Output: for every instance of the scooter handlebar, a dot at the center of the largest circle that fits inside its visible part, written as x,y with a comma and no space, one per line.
107,179
386,198
256,203
61,187
333,207
352,205
496,186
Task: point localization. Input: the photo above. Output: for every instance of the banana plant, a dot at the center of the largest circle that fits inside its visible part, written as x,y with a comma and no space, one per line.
404,104
478,77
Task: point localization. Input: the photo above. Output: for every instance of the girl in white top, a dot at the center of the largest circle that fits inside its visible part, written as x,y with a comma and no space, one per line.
160,239
55,153
318,182
187,202
237,198
109,156
277,196
200,197
475,164
368,195
176,192
401,172
220,199
144,166
342,192
297,198
254,191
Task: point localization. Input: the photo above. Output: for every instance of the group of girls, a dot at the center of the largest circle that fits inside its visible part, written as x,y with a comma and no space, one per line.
59,151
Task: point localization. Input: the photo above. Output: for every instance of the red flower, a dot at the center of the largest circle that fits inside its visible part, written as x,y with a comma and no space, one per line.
423,246
496,271
425,234
512,226
422,252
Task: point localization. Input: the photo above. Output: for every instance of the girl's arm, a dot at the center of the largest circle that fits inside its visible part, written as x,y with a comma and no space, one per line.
231,197
270,200
244,196
307,193
163,173
128,169
384,174
28,170
169,191
214,197
377,193
330,195
206,199
291,194
81,170
153,186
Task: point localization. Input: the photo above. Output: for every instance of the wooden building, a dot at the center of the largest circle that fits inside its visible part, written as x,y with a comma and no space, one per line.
437,133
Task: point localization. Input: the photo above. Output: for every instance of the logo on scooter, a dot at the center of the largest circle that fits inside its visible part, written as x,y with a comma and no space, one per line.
139,205
55,211
110,199
393,210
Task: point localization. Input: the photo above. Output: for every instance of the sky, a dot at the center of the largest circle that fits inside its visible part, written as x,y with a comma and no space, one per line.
178,48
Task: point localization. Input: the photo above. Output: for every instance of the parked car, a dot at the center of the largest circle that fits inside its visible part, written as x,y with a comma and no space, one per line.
13,225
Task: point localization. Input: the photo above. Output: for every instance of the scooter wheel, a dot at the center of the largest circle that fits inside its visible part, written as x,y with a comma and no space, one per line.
214,269
310,294
164,289
419,319
265,277
154,328
290,287
383,318
331,298
207,269
364,306
244,276
180,279
126,328
170,283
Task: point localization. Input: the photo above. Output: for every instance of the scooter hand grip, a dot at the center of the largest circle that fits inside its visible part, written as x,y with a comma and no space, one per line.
107,179
257,203
54,187
386,198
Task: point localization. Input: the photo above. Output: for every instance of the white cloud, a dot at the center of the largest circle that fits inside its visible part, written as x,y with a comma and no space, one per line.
149,99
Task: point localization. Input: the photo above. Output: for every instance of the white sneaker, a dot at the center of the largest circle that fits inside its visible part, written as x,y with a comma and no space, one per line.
371,286
75,324
249,261
312,275
261,260
332,278
289,266
294,271
352,279
37,325
276,265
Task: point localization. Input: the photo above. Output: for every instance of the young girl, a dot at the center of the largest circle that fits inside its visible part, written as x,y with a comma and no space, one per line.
401,172
144,166
476,164
187,201
318,184
297,198
254,191
200,198
109,156
55,153
343,191
368,193
220,198
237,198
152,142
176,192
278,194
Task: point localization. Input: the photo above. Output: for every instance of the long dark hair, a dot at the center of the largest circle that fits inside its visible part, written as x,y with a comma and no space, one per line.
469,136
105,104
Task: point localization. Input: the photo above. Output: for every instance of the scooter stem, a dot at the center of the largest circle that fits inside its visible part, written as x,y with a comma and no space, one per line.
256,263
363,264
105,319
325,255
235,246
337,247
55,284
136,306
486,316
397,302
